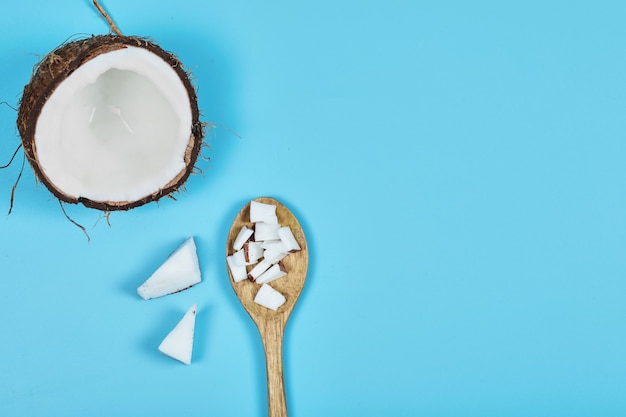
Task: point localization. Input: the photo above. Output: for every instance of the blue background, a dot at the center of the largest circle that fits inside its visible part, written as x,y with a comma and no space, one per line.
459,171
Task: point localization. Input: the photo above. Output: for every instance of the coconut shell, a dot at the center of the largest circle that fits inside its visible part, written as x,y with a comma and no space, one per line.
61,63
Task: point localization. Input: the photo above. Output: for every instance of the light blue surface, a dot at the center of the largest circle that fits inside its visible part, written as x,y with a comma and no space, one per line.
458,167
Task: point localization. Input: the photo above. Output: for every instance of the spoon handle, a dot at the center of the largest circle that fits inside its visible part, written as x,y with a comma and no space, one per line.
272,334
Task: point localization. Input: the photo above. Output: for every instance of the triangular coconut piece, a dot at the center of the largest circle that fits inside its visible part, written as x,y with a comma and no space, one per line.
180,271
178,344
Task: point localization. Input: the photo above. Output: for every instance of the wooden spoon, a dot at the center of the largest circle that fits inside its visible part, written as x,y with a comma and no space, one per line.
271,324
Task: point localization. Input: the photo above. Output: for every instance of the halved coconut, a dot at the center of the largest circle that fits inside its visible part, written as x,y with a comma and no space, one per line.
111,122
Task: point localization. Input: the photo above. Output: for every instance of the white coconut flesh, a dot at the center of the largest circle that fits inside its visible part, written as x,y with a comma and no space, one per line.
117,129
259,260
181,270
178,344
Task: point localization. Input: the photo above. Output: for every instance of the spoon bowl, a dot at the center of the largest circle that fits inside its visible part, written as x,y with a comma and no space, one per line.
271,324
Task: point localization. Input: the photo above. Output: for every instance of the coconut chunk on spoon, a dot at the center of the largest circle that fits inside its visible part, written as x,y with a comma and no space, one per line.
269,297
287,239
178,344
274,244
253,251
266,231
242,237
259,269
274,256
238,270
239,258
272,274
180,271
262,212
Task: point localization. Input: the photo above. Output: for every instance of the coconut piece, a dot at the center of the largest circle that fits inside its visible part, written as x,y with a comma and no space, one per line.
180,271
259,269
272,274
111,122
242,237
237,269
178,344
274,255
266,231
269,297
273,244
288,240
253,252
239,258
261,212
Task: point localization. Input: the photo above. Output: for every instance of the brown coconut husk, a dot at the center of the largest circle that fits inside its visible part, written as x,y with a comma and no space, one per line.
61,63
